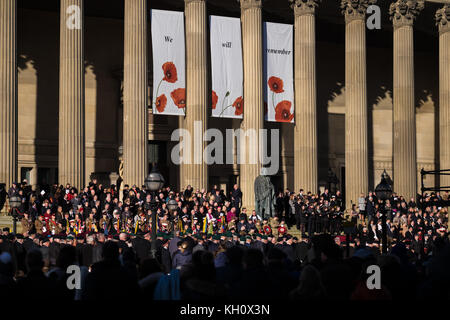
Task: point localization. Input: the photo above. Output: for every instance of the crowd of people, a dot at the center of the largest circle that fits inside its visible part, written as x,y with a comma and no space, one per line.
213,248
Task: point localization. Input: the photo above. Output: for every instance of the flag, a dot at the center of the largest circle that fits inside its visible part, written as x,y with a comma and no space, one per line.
205,225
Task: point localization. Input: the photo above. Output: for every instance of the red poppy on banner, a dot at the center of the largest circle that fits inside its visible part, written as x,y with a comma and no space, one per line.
275,84
161,102
226,66
214,99
283,112
179,97
278,62
238,104
170,72
168,43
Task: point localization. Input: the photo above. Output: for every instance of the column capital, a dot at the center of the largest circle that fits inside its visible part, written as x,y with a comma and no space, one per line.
443,18
302,7
403,12
248,4
355,9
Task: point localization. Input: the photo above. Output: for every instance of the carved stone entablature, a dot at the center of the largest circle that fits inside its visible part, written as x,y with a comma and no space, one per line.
443,18
248,4
355,9
403,12
302,7
381,165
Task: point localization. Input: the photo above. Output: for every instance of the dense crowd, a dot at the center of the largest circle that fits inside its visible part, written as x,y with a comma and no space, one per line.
213,248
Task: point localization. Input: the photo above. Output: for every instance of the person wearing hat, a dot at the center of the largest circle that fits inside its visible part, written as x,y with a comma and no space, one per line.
200,244
39,225
104,223
267,229
54,226
26,223
258,244
242,225
282,229
165,258
248,241
235,238
213,246
185,221
14,190
91,223
288,248
45,243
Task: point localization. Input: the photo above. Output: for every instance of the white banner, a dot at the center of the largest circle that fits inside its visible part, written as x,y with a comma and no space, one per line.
278,56
226,67
169,75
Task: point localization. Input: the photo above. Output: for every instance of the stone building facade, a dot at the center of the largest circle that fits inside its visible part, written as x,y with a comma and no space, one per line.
75,103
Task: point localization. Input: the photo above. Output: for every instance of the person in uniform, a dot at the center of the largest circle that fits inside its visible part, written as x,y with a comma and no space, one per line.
53,250
54,226
282,228
91,223
266,227
39,225
104,224
26,223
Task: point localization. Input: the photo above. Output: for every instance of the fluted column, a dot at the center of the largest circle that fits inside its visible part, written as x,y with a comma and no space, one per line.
356,145
250,167
403,14
135,143
443,20
71,156
195,172
305,130
8,91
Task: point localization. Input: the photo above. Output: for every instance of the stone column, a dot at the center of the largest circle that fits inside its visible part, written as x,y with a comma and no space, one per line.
71,156
356,145
195,173
135,128
305,130
443,20
8,92
402,14
250,149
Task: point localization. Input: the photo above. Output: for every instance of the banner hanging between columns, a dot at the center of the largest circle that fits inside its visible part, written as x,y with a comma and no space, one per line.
169,72
226,67
278,75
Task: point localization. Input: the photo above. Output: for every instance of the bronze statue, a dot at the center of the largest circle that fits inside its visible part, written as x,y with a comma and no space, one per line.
264,196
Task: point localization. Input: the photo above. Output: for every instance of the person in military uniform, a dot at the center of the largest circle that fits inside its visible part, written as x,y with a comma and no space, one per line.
104,223
54,226
142,222
53,250
91,223
39,225
27,223
282,228
267,229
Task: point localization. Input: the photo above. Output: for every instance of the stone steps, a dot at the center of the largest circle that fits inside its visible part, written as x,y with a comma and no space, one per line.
6,221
